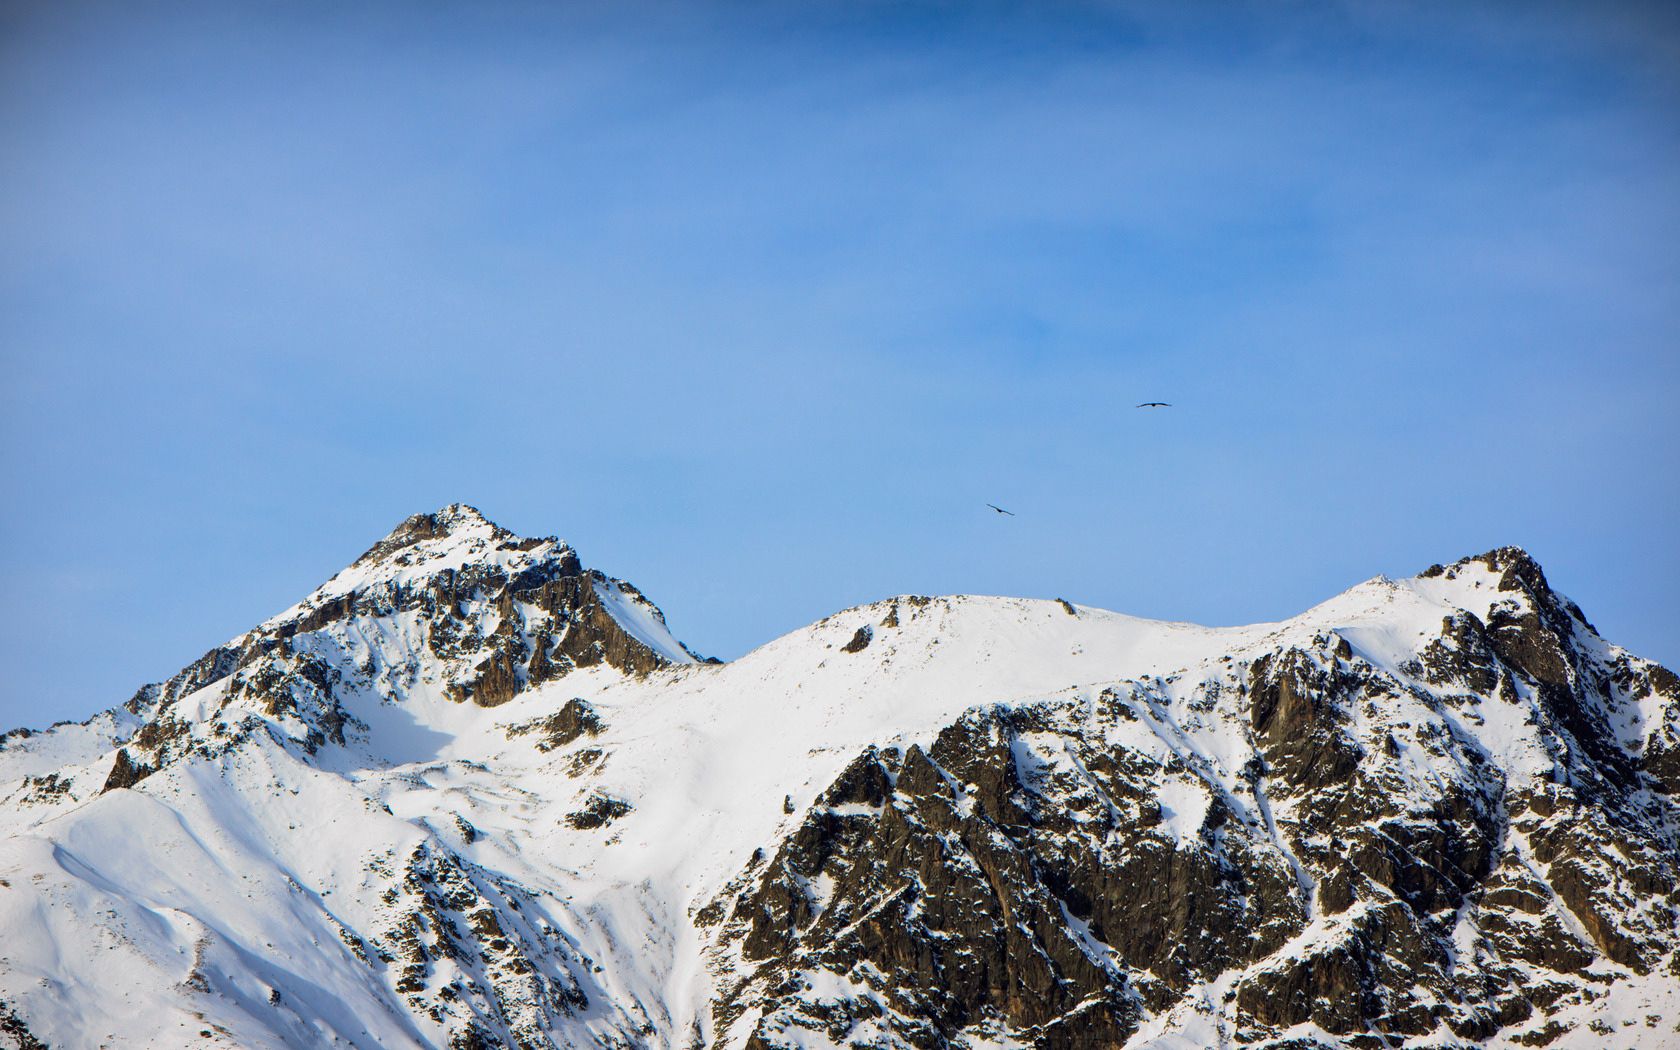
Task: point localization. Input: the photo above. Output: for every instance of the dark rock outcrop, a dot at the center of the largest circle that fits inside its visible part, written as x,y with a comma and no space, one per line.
598,810
1030,872
1468,846
125,772
513,614
575,719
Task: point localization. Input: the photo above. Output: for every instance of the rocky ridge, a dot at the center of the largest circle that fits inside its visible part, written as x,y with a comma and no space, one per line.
447,601
469,793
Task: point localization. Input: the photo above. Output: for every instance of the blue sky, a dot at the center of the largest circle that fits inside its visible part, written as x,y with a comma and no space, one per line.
759,304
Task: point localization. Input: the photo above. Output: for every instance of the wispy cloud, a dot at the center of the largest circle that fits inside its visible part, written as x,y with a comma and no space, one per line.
772,294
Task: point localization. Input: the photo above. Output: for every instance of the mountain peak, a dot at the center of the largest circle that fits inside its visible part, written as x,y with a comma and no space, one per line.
461,515
455,520
1175,834
1517,570
1511,569
1504,560
502,612
447,607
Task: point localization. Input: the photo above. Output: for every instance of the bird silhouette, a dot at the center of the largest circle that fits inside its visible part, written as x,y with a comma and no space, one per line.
1000,510
1155,404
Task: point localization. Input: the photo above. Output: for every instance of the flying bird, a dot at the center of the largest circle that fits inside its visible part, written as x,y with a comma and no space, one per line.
1155,404
1000,510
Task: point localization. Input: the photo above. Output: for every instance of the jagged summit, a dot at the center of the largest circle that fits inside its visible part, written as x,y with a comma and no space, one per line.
457,537
1498,559
448,609
1516,570
463,560
1514,567
446,523
472,793
450,518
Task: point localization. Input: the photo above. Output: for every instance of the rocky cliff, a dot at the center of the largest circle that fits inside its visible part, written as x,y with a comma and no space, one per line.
471,794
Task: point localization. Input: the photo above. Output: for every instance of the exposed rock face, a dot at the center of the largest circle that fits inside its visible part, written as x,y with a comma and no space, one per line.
494,614
598,810
860,640
1021,875
1661,759
125,772
577,718
13,1028
451,799
448,609
511,622
474,951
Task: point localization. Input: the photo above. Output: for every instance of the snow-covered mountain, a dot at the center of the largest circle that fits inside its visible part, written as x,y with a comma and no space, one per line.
469,793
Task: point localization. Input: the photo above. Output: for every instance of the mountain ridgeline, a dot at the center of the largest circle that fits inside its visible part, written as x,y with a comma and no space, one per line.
470,793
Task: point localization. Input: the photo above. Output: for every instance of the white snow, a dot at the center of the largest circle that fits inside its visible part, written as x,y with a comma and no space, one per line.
639,617
252,862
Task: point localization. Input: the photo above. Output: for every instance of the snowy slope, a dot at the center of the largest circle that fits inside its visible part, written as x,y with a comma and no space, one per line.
471,793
